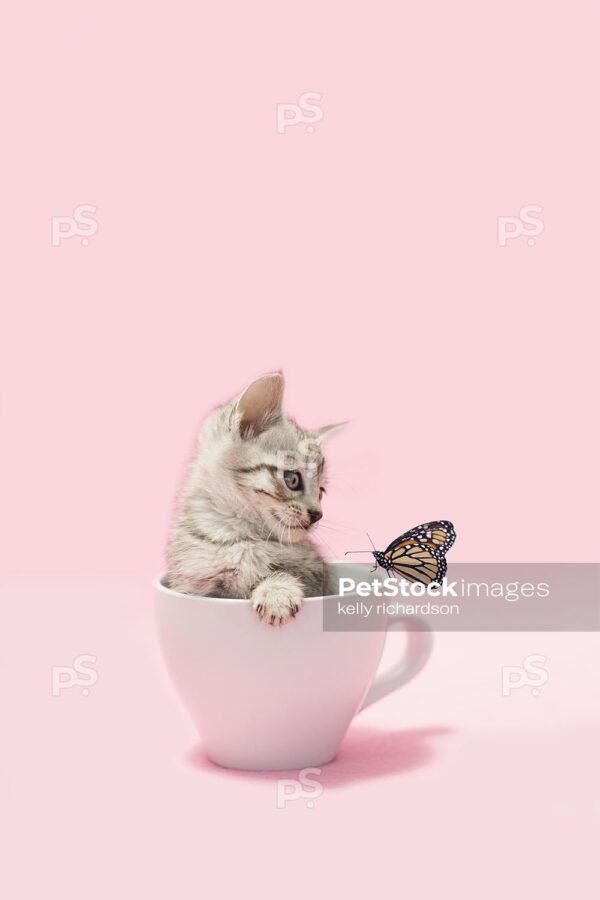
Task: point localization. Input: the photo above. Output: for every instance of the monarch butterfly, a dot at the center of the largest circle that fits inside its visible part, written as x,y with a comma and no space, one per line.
418,555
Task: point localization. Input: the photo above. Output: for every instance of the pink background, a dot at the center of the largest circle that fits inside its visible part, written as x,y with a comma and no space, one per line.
363,259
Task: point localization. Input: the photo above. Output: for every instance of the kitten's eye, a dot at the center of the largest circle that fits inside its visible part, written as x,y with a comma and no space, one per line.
293,480
322,491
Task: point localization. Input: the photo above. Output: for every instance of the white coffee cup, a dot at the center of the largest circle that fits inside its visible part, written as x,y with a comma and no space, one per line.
267,698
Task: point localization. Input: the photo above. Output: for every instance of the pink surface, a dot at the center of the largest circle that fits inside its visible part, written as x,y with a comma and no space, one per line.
364,259
446,786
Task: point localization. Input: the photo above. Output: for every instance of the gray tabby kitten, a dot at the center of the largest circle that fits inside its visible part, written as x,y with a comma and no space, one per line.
252,497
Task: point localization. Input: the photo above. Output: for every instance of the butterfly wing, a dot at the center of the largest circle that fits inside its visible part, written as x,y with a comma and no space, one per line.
439,535
415,562
419,554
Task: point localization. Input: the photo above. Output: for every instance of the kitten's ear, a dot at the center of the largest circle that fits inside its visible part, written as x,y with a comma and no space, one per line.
320,434
259,406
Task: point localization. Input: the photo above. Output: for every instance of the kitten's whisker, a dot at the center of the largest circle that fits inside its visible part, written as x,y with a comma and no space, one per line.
341,524
324,542
225,506
272,530
340,530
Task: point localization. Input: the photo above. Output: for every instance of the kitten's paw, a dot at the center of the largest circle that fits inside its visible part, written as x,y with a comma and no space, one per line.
278,598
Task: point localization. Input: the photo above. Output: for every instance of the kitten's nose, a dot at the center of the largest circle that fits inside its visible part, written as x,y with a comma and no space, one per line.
314,515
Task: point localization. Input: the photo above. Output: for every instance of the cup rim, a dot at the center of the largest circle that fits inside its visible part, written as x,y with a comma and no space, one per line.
163,589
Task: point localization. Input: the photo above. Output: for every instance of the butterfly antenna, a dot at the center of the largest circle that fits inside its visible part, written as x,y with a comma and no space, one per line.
362,551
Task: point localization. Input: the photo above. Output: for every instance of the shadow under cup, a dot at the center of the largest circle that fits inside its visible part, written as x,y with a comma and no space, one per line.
266,698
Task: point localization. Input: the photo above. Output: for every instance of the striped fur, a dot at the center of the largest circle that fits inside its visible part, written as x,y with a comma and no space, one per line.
239,530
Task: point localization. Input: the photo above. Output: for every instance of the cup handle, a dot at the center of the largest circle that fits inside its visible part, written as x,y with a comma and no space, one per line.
416,654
